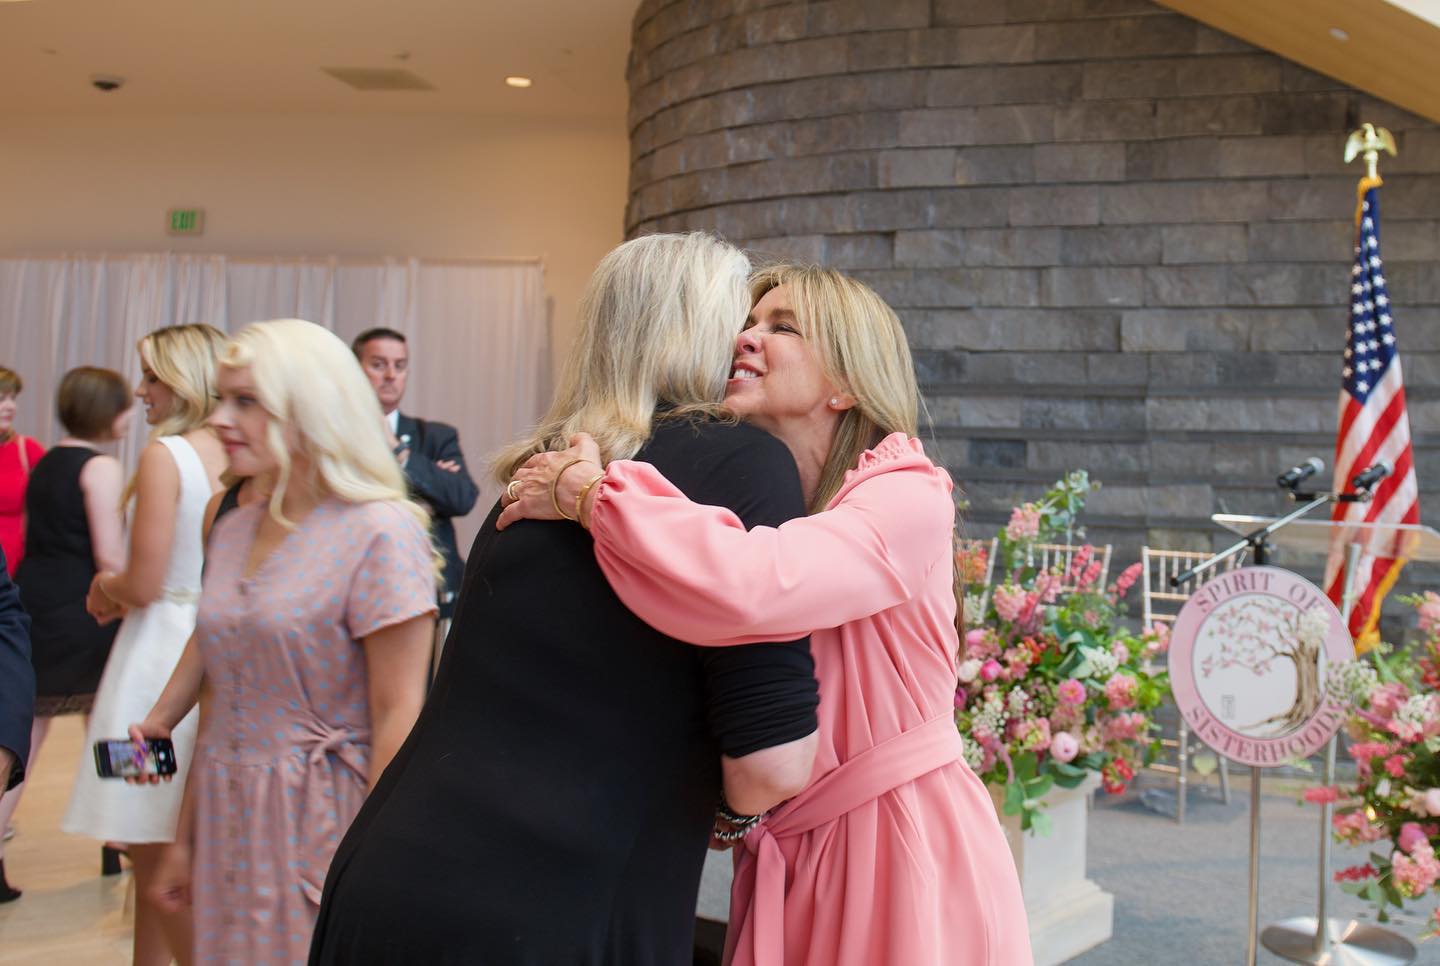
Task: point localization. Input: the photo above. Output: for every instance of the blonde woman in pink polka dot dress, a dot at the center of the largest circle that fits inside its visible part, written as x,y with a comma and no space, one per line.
313,635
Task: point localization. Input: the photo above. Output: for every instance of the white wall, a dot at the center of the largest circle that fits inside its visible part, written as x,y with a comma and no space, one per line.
430,186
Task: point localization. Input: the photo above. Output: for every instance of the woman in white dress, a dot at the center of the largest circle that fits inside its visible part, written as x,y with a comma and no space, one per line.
156,594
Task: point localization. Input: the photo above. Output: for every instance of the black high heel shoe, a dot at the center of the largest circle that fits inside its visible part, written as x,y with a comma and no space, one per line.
7,893
110,860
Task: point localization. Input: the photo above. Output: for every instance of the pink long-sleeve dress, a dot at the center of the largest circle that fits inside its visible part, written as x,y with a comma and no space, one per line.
893,854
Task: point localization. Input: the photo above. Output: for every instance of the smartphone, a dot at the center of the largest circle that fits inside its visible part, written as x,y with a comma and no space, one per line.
123,758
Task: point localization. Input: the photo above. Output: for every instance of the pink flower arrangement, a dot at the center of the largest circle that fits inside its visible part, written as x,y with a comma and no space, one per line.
1322,794
1054,687
1394,719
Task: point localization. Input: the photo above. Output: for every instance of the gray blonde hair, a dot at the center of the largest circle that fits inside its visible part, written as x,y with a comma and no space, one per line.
657,327
863,351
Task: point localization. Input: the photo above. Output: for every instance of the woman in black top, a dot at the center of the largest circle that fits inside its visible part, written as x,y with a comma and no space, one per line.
553,804
74,529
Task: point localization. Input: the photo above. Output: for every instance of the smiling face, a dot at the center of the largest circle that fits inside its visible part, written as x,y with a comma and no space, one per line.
241,423
777,382
157,398
387,365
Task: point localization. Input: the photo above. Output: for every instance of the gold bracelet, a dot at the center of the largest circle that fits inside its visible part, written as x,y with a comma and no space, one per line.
580,500
555,500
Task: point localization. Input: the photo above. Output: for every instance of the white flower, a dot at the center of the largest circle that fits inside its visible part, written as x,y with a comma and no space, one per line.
1352,681
1018,700
1314,626
969,669
974,755
1102,663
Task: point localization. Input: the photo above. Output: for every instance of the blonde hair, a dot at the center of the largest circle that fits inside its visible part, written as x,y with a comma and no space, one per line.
308,381
864,353
657,326
183,358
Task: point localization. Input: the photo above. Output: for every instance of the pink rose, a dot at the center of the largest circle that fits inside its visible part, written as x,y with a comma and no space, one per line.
975,637
1322,795
1411,835
990,670
1071,692
1064,747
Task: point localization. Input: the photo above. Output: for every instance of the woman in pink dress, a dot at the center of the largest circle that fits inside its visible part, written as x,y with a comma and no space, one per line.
893,854
313,636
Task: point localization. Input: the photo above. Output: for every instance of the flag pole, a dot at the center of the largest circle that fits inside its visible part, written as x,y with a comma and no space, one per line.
1320,939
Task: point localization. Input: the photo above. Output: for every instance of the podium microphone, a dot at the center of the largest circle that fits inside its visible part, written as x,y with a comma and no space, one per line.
1295,475
1365,480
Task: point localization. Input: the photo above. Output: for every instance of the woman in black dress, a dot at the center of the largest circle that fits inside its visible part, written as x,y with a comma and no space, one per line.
72,509
553,804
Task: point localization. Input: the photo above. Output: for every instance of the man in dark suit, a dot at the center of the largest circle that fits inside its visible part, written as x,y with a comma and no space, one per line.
17,696
428,451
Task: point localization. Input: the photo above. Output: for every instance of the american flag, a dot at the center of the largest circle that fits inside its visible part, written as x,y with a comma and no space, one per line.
1373,427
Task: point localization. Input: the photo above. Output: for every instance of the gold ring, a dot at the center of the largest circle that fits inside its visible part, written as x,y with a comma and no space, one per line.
510,493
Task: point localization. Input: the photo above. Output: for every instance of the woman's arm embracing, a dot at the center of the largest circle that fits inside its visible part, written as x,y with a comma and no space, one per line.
695,573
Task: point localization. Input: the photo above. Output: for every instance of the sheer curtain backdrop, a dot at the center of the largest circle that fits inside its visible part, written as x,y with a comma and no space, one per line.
478,329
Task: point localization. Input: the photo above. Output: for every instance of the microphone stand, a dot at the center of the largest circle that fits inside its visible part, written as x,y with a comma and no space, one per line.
1255,541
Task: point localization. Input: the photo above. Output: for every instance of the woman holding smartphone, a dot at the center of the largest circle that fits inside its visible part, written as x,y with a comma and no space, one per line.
313,637
156,594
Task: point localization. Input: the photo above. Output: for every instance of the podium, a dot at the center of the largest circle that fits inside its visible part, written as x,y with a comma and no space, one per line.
1300,939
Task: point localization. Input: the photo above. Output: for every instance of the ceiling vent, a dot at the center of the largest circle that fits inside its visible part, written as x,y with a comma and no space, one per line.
379,78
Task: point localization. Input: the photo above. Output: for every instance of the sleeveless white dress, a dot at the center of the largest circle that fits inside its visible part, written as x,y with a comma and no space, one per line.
146,651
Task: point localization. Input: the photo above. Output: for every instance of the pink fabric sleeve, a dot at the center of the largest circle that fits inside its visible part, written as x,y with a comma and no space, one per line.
694,572
395,579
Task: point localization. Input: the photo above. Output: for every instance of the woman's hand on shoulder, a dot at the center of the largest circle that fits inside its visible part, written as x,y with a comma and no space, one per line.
568,472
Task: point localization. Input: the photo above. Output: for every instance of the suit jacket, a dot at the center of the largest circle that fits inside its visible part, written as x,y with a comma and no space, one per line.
445,494
17,676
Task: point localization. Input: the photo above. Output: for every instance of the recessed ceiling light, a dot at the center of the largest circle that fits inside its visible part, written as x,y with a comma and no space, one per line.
1339,34
518,81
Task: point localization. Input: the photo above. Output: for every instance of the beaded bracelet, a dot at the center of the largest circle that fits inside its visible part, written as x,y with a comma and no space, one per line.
740,825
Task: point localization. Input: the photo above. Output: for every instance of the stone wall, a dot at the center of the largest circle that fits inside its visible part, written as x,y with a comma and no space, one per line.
1118,238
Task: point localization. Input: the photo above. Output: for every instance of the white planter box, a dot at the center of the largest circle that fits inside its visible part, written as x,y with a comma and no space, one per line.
1068,913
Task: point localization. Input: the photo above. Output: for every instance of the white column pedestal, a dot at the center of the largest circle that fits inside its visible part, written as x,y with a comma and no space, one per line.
1068,913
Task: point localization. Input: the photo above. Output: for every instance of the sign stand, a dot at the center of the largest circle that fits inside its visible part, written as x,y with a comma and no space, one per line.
1299,938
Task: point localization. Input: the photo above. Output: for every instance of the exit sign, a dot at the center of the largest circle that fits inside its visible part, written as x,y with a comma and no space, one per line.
185,221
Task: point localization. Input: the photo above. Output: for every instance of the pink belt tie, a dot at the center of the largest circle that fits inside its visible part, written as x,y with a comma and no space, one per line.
760,869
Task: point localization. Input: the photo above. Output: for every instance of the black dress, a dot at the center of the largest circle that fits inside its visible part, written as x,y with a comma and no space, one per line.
68,648
554,801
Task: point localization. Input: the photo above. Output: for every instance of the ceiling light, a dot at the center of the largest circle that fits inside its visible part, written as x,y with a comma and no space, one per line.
518,81
1339,34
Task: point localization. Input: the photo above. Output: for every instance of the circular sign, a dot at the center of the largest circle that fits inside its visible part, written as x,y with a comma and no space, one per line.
1248,657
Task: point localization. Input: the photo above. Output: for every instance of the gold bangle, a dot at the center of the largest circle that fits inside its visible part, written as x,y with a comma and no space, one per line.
554,499
580,500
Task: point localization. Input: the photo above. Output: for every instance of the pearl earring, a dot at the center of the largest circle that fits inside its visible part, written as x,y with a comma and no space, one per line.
834,402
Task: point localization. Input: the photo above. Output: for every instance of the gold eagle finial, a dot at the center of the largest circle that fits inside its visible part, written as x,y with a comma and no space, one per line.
1368,142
